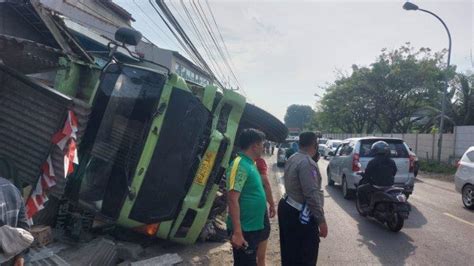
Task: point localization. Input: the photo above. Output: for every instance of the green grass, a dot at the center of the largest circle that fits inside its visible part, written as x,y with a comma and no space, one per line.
435,167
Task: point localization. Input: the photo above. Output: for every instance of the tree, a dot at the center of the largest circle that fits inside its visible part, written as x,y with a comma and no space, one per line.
298,116
400,90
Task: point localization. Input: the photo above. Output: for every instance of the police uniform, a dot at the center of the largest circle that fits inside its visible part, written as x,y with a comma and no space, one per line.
299,237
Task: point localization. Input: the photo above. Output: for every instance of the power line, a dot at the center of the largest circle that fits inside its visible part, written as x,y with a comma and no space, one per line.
203,41
199,37
184,37
202,18
208,27
157,26
222,39
191,53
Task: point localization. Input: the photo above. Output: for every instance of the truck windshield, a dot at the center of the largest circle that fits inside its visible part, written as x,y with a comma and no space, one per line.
124,106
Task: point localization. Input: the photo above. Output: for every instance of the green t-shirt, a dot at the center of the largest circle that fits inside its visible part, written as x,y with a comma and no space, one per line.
243,176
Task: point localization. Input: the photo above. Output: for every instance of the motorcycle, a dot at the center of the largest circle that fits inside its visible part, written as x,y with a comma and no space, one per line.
388,205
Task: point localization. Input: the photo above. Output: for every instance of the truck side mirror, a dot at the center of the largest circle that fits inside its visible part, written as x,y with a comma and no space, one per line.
128,36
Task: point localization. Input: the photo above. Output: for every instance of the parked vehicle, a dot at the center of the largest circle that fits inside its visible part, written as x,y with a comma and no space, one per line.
330,146
354,154
322,140
388,205
464,178
320,149
284,150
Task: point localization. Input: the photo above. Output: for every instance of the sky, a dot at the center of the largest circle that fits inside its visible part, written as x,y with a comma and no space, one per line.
283,52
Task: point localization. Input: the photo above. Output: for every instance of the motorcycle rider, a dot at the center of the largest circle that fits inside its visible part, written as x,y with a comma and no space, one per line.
380,171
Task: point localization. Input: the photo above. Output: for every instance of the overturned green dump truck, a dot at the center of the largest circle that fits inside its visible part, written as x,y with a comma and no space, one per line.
151,147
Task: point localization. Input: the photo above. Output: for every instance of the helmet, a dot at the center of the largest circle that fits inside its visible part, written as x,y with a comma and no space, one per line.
381,147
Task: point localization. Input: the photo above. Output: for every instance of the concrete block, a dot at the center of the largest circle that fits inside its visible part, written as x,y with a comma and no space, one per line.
42,234
129,251
166,259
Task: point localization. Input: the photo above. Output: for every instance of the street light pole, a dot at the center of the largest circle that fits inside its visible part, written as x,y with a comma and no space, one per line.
411,6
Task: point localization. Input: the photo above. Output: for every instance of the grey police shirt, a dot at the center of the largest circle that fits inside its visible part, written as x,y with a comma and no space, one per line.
303,183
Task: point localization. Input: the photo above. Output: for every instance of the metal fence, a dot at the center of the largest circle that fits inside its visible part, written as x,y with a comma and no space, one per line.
426,145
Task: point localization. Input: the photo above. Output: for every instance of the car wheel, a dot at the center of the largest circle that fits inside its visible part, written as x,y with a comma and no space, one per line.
346,192
468,196
330,181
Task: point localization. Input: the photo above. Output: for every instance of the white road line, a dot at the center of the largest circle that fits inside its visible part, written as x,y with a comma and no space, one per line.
459,219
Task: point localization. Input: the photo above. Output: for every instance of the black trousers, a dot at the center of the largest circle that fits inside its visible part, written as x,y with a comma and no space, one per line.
248,256
299,243
364,192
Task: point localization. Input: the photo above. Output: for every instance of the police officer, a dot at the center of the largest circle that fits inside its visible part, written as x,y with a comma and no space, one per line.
380,171
300,211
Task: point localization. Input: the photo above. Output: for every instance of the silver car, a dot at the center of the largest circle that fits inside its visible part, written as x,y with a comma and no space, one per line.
354,154
464,178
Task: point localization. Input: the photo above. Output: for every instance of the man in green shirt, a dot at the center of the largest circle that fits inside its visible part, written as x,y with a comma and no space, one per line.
246,199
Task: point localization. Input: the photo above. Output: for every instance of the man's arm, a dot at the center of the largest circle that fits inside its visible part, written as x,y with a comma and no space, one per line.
269,195
313,194
237,239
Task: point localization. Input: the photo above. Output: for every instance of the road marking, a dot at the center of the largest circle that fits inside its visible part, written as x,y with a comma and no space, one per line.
459,219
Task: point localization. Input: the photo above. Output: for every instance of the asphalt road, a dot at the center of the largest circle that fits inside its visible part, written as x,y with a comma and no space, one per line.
439,231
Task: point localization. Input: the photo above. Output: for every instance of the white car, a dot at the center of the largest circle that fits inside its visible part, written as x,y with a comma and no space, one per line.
464,178
330,146
283,148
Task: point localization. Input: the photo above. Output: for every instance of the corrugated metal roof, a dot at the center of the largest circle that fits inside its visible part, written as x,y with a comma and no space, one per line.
28,120
28,56
30,114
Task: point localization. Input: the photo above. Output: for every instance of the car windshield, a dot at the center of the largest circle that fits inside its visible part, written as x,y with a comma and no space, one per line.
398,148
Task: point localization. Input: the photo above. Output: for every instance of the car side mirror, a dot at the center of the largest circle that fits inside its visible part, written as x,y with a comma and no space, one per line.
331,153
